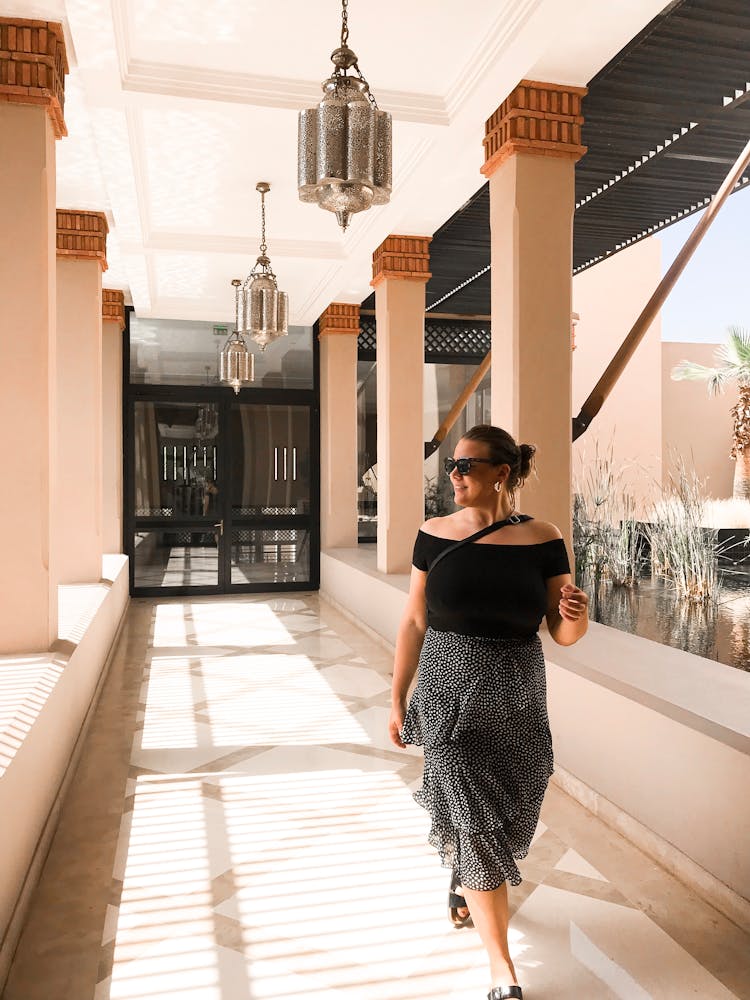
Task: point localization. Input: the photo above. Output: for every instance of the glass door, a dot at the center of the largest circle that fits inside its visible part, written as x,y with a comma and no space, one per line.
270,525
221,493
178,512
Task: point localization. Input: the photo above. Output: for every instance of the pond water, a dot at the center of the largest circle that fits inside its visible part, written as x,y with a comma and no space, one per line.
652,610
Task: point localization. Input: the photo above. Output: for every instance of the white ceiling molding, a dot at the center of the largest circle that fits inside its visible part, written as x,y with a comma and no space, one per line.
139,283
201,84
266,91
140,174
160,241
312,306
513,16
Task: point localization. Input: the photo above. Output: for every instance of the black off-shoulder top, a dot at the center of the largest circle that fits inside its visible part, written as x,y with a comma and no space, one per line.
494,591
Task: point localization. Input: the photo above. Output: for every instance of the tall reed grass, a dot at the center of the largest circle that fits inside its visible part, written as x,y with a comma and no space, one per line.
607,541
684,552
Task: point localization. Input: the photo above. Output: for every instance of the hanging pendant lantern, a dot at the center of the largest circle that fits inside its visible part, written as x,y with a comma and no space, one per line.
261,312
236,363
345,147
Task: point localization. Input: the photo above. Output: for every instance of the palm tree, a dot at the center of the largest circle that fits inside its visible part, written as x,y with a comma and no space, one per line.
734,366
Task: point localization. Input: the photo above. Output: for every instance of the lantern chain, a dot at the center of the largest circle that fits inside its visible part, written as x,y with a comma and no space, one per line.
339,72
370,95
344,23
263,245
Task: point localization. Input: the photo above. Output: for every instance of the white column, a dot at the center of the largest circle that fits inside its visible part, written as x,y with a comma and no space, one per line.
113,323
81,255
30,121
532,143
338,332
400,273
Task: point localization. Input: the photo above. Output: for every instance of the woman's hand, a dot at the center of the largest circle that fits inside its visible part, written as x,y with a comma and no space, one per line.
573,604
396,723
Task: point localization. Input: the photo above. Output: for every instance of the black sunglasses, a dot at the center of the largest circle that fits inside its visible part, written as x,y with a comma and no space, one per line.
463,465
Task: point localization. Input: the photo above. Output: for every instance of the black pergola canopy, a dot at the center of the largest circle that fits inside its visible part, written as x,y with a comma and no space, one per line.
663,122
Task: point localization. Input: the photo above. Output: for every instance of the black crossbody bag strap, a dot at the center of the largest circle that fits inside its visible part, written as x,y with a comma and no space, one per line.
513,519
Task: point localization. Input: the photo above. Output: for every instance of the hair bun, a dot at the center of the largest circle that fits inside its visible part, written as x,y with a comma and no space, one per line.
527,459
503,450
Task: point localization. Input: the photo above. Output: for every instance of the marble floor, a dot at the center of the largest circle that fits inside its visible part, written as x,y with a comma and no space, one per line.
239,828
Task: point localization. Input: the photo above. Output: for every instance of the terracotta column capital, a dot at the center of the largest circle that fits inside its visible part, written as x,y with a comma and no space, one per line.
540,118
405,258
82,235
33,65
339,318
113,306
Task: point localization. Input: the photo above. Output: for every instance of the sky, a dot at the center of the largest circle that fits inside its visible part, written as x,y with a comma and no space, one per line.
713,292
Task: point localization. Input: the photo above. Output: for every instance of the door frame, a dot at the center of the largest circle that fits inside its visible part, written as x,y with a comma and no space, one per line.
223,396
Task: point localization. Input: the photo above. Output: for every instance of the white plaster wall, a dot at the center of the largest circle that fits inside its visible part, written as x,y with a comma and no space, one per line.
28,588
348,577
648,418
675,780
112,499
697,426
338,439
78,492
609,298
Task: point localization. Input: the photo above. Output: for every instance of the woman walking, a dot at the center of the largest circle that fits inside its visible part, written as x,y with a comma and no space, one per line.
482,580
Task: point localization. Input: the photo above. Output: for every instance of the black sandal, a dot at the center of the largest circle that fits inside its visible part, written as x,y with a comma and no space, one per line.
456,903
505,993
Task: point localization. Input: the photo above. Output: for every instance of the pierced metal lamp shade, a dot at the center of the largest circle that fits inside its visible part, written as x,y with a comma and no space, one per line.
345,146
236,364
260,311
264,310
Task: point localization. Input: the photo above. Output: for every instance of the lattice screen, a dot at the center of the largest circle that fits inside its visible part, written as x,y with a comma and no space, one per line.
444,339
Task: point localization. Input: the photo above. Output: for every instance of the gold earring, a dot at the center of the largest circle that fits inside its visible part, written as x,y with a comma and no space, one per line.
498,487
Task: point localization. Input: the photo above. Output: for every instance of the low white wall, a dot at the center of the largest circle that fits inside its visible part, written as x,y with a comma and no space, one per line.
662,736
41,733
349,579
677,762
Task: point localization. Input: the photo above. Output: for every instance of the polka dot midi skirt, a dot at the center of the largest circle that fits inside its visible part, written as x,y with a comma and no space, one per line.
480,711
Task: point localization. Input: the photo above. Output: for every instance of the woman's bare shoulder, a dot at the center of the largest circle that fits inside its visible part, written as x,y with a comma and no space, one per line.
440,527
543,531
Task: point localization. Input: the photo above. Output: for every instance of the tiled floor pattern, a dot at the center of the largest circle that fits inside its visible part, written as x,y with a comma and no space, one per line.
241,829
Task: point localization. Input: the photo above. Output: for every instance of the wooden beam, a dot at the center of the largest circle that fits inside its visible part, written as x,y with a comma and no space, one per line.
458,406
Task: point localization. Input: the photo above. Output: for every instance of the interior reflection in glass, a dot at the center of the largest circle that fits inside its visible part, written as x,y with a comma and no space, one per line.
176,558
270,460
277,555
176,459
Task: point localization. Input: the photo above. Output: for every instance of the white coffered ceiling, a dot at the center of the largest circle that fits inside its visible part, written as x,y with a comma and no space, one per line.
175,109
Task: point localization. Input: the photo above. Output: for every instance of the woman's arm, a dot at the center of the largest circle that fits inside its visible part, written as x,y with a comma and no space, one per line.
408,647
567,610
